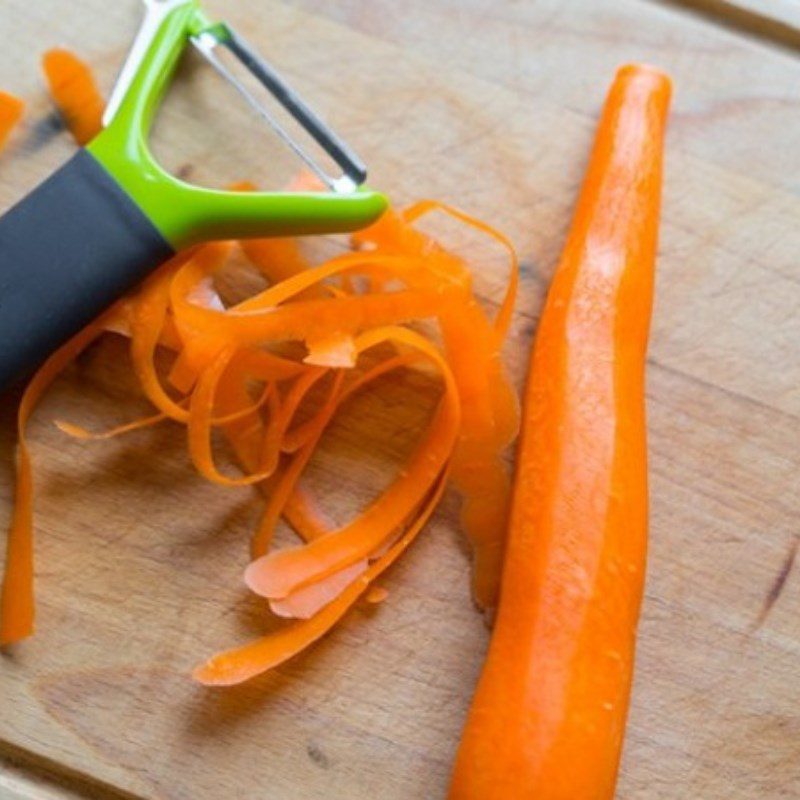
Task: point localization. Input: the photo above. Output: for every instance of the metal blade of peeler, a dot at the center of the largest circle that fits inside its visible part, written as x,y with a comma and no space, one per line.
155,12
355,172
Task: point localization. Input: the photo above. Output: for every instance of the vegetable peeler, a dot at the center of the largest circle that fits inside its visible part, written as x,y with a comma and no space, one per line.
112,214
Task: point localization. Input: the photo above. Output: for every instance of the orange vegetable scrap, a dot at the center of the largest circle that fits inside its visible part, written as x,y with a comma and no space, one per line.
356,316
75,91
11,109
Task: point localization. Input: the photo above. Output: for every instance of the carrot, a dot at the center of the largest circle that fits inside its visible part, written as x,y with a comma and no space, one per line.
548,716
75,92
11,109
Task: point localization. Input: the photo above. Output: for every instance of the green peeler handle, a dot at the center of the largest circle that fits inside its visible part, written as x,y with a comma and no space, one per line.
186,214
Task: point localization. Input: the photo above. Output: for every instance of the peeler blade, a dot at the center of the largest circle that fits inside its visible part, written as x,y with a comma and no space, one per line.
354,172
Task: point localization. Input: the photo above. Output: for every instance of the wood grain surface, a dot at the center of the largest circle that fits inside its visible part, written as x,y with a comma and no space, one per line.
491,106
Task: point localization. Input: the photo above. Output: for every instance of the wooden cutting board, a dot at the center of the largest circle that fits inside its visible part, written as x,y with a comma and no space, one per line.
491,106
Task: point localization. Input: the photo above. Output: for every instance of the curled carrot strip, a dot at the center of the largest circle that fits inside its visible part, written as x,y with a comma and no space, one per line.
288,480
73,87
243,663
283,572
304,516
489,402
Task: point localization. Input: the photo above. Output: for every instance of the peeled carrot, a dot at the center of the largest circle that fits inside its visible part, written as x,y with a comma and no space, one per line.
11,109
74,90
548,716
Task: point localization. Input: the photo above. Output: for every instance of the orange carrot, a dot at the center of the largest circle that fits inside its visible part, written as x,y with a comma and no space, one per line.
74,90
548,716
11,109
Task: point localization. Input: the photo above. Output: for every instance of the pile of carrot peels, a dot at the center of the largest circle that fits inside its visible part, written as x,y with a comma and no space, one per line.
231,371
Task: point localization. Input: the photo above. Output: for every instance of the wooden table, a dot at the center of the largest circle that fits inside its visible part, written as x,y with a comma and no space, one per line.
490,105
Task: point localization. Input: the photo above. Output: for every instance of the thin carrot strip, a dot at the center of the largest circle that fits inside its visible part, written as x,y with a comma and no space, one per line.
302,514
77,432
313,319
282,419
503,319
489,403
245,435
278,574
308,601
242,663
277,259
148,320
279,498
548,716
201,410
11,109
74,90
390,265
288,479
17,605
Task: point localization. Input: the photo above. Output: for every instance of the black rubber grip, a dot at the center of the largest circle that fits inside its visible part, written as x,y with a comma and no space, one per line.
67,252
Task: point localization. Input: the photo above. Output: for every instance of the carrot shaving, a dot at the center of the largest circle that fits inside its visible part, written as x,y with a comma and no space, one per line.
376,595
243,663
75,92
11,109
304,603
336,350
303,514
282,572
77,432
240,370
17,604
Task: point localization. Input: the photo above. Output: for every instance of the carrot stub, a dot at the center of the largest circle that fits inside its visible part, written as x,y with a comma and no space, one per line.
75,92
548,716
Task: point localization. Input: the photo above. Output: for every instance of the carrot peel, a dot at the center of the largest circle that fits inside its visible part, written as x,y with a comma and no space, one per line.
237,369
